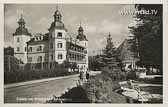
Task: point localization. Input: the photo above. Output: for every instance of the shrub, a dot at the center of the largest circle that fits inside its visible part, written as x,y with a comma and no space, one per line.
131,75
74,95
101,89
26,74
115,74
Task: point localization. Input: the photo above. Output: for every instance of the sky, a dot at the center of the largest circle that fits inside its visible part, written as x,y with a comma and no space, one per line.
98,21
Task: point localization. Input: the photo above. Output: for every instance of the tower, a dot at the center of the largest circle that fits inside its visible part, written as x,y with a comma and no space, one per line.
57,42
109,42
81,37
21,36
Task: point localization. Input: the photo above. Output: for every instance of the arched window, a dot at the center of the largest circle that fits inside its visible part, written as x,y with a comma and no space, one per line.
30,49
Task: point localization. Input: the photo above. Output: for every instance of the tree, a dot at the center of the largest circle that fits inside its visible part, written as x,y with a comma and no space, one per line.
94,63
9,51
109,57
148,33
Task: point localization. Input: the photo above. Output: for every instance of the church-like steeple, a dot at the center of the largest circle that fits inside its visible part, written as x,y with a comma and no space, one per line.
81,35
109,39
109,42
21,22
57,23
21,30
57,15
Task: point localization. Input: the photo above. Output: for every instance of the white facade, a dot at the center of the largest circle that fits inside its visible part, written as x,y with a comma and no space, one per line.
20,47
51,47
60,45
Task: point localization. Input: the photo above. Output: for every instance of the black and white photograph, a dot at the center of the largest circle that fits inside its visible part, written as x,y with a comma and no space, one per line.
83,53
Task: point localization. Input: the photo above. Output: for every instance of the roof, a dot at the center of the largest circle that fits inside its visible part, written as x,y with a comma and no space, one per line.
45,37
71,43
57,25
81,37
125,52
22,31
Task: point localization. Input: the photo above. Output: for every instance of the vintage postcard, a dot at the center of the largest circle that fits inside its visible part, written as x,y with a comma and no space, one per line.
83,53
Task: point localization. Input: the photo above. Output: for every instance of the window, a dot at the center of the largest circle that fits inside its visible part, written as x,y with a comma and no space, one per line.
30,49
51,45
70,56
39,59
18,39
25,49
59,45
18,49
29,59
59,56
58,17
59,35
39,48
51,56
50,66
73,56
36,38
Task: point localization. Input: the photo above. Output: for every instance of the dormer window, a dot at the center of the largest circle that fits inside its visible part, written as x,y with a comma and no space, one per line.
36,38
41,37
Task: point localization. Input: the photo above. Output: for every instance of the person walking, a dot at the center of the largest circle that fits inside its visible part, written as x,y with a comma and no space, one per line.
81,75
87,75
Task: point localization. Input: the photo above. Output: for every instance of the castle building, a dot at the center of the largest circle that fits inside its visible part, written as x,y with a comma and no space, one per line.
55,46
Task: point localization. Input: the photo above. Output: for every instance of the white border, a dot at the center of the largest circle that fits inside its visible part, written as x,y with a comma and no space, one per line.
85,1
165,44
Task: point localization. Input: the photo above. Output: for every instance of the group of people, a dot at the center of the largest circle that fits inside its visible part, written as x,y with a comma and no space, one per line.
82,76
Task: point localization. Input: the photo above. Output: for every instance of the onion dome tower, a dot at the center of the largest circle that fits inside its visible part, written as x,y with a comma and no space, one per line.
81,35
22,30
21,37
57,23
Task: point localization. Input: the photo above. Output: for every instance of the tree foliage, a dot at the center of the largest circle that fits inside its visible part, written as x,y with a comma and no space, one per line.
110,56
148,35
